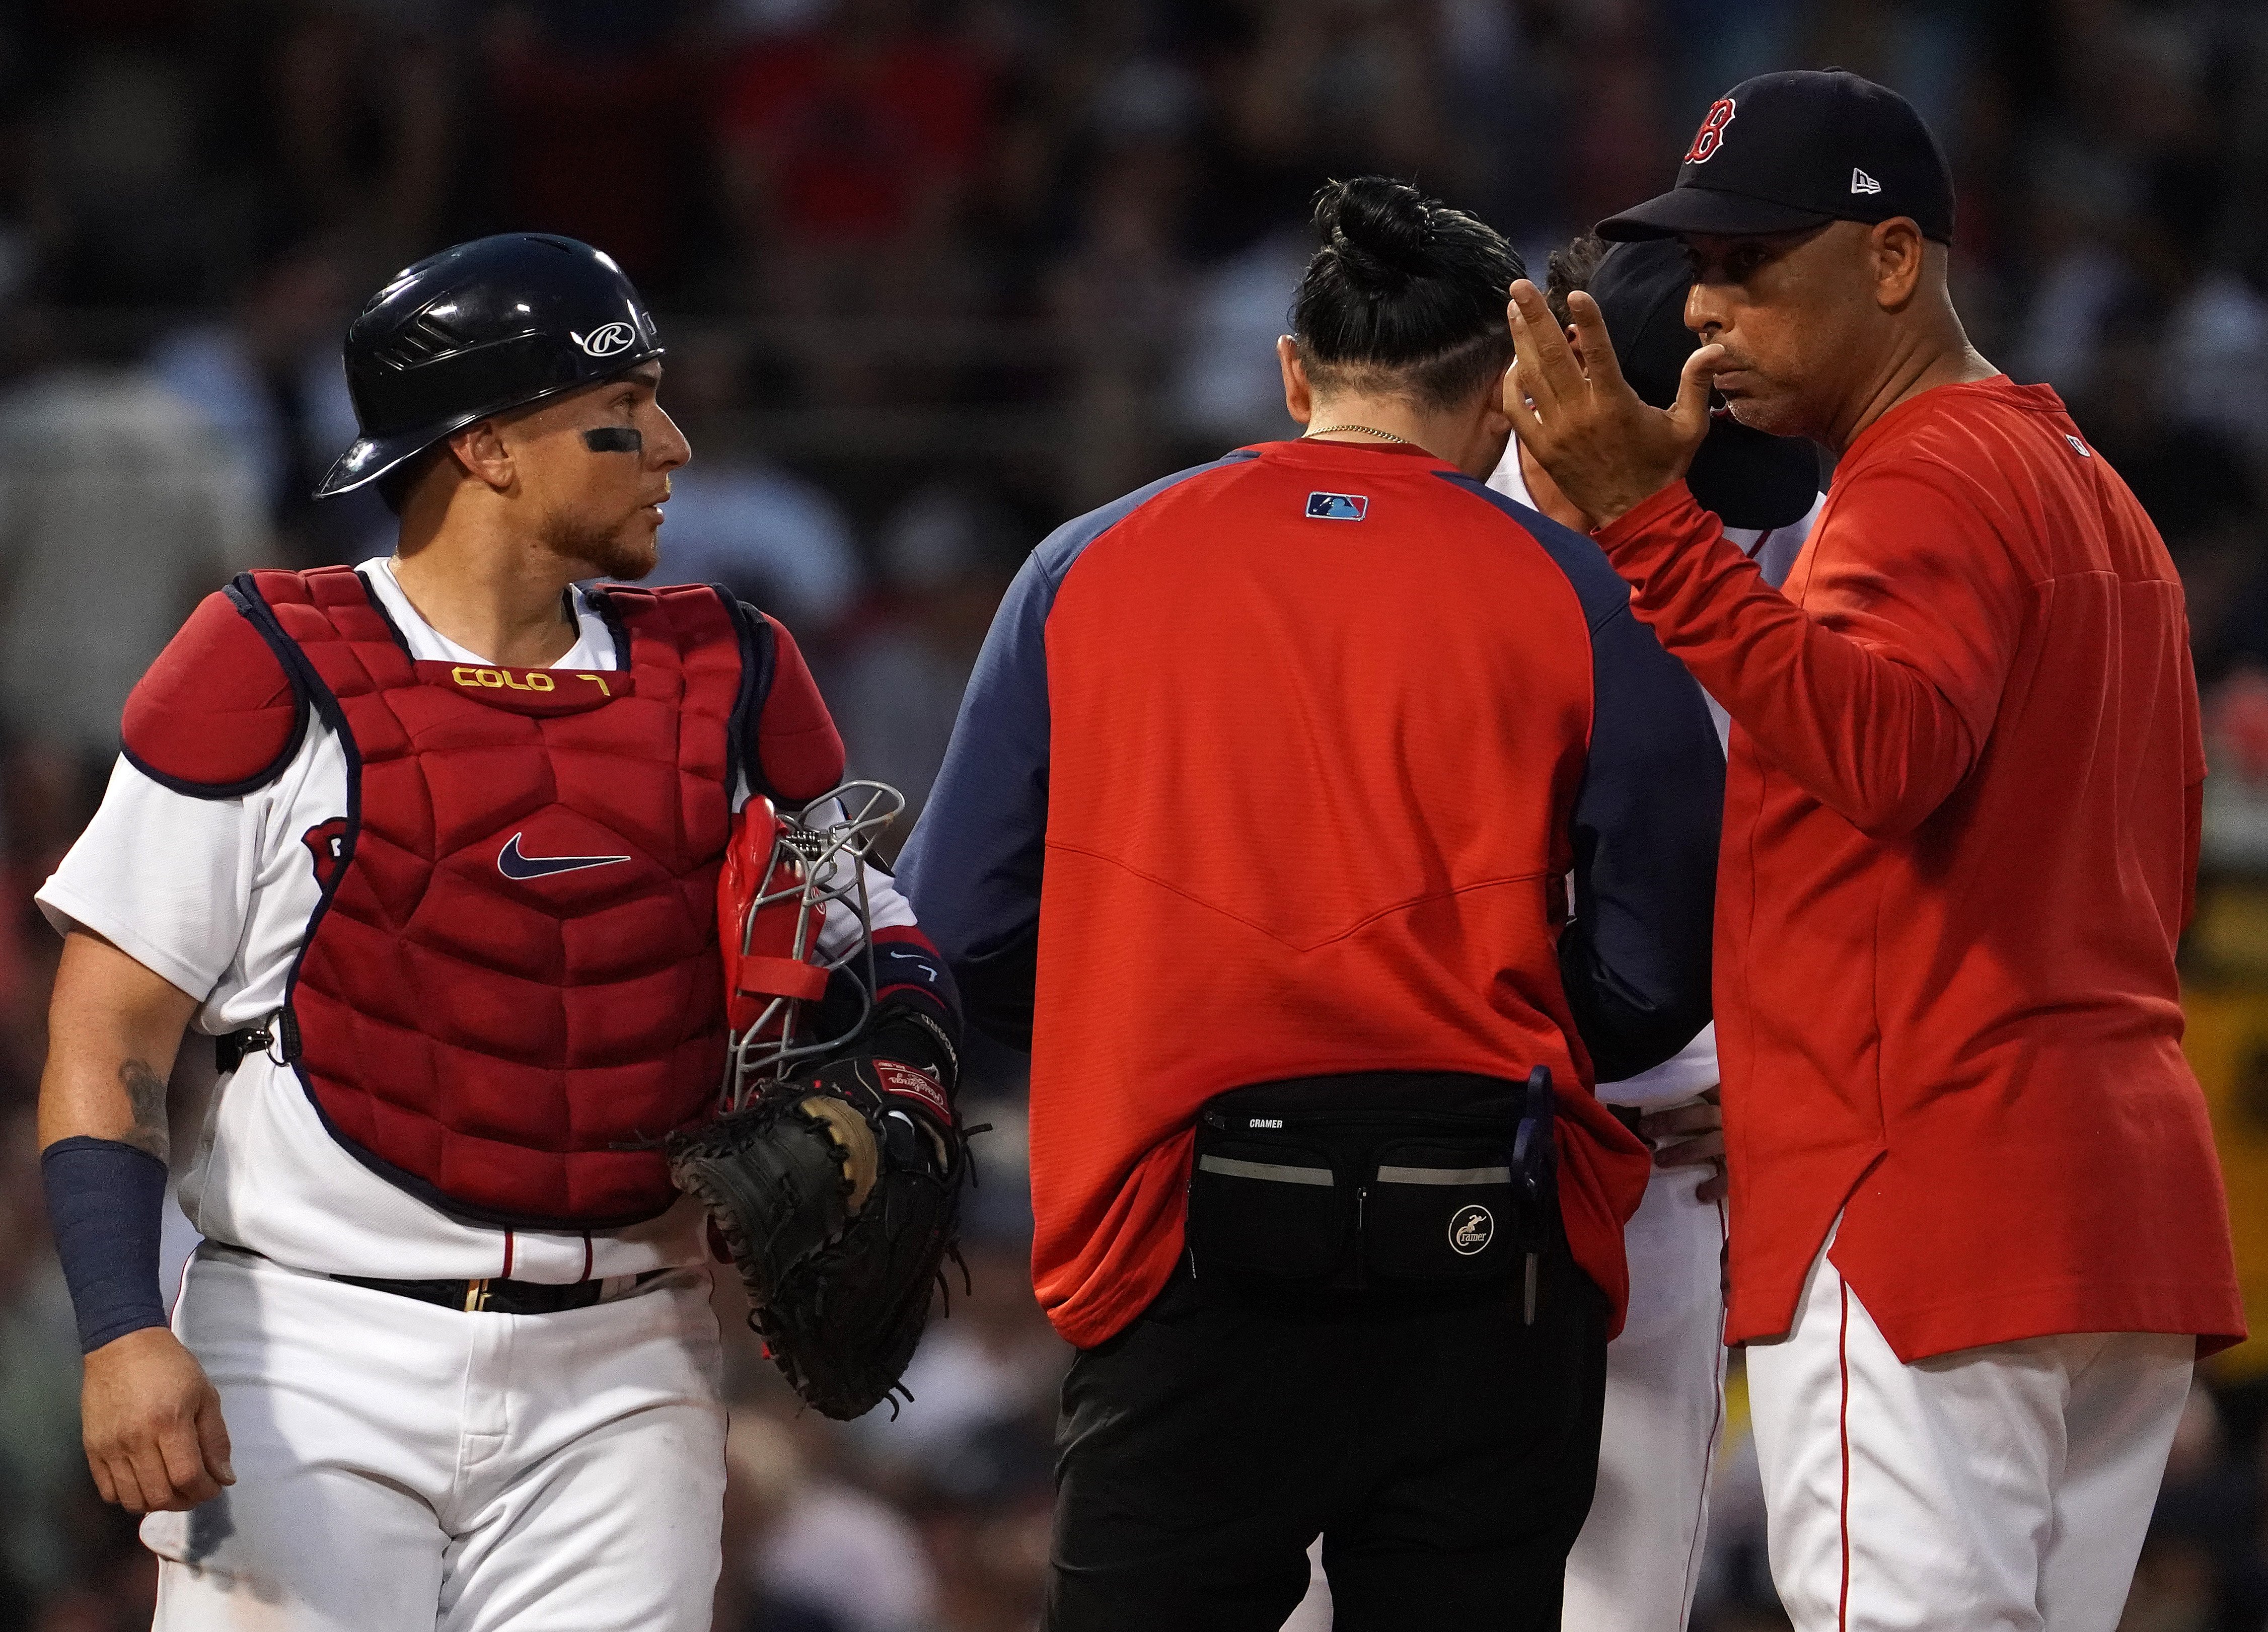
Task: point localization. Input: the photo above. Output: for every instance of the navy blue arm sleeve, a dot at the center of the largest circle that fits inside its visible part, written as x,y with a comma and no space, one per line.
1635,961
972,866
104,1205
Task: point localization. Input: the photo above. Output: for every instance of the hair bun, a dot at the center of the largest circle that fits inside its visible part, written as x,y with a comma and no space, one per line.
1379,229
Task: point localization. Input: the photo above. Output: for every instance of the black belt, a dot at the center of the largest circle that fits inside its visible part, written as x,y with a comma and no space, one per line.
499,1295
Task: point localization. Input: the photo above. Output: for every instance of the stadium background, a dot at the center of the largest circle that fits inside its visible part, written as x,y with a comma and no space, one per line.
935,276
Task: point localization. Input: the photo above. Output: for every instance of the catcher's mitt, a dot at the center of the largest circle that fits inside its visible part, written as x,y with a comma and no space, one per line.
837,1196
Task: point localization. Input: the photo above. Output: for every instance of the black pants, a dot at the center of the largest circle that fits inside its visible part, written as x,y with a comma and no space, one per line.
1445,1450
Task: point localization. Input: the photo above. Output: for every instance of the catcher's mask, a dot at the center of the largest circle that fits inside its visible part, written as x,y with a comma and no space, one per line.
781,876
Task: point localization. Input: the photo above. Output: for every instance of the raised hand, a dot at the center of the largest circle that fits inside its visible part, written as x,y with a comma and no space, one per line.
1608,451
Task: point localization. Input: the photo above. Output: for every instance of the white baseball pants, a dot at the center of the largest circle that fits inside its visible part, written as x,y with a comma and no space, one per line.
401,1465
1637,1562
1635,1566
2003,1488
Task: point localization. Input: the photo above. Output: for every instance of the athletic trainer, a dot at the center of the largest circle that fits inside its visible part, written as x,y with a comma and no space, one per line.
1269,803
1978,1235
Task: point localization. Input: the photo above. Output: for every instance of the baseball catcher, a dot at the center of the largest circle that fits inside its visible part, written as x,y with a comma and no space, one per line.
441,835
833,1171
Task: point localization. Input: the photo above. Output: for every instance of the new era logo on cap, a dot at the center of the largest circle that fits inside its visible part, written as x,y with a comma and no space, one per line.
1861,182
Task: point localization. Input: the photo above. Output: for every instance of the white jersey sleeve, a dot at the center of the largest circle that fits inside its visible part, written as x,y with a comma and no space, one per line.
166,877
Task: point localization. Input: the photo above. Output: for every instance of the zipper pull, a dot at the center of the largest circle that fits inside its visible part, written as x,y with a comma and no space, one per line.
1529,1300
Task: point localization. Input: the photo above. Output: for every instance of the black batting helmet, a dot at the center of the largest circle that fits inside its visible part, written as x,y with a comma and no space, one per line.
494,324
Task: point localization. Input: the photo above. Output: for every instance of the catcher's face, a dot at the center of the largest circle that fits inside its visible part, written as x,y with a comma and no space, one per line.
595,467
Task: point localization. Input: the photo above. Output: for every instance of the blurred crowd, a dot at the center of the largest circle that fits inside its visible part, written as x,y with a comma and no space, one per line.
935,275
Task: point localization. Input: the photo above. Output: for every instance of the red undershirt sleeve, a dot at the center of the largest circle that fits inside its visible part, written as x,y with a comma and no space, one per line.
1877,693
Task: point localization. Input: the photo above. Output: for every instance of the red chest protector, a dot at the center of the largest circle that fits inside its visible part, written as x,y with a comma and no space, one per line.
510,992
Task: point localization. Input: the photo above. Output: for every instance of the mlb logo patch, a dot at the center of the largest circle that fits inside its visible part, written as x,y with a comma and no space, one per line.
1337,506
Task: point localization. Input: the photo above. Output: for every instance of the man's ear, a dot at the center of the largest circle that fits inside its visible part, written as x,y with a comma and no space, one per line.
1298,400
479,448
1900,254
1494,421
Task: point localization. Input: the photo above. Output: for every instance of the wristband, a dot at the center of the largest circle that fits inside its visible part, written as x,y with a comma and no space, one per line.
104,1202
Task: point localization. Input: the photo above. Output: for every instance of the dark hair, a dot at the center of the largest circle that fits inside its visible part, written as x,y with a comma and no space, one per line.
1406,296
1570,269
394,487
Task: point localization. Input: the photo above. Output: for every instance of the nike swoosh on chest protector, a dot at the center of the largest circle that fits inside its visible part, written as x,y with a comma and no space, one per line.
512,864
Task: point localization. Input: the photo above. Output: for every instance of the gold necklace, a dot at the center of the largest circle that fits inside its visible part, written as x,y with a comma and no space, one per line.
1324,430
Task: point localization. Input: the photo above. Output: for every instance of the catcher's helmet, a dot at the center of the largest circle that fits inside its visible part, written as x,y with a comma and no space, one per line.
494,324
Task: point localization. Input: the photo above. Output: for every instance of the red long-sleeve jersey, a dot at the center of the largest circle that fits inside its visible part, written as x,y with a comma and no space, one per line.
1960,839
1282,767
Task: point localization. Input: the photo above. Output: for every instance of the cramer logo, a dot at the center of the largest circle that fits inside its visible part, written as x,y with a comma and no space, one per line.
1471,1230
607,340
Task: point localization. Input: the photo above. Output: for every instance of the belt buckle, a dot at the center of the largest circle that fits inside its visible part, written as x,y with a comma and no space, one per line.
476,1296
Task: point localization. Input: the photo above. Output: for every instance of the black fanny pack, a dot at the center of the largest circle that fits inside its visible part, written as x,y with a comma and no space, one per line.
1388,1179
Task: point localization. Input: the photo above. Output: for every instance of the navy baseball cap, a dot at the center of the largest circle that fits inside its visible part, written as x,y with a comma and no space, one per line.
1788,150
1747,478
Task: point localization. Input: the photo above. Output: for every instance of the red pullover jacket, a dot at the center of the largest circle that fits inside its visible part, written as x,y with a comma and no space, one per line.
1281,768
1961,833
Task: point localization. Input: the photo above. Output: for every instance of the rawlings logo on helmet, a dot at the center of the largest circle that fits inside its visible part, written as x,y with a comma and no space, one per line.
606,339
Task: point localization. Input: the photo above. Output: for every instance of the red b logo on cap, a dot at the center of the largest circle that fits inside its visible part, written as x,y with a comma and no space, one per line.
1711,136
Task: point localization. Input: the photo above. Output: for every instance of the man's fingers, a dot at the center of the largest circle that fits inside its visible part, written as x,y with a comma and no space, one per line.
1525,390
212,1438
1705,1150
1544,351
104,1486
1716,1187
1590,325
181,1445
1684,1119
1515,396
1689,414
153,1484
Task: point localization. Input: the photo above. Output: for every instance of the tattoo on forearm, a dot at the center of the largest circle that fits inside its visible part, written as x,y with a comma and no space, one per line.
145,1092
